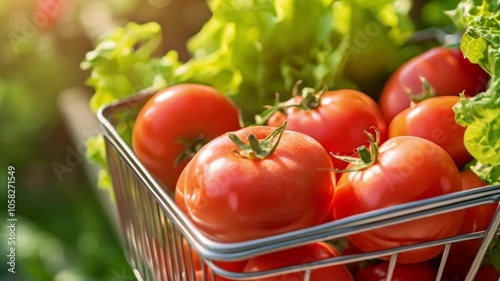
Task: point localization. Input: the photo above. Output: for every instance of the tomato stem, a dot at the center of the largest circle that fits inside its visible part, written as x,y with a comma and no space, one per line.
192,146
310,99
427,92
367,156
258,149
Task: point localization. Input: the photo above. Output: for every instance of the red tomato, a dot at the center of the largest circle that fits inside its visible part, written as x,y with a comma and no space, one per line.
446,70
487,273
177,120
297,256
48,13
475,219
406,169
337,122
402,272
433,119
234,198
457,271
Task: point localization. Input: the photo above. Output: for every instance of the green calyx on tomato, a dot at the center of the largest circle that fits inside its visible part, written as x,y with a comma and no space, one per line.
192,146
258,149
426,93
310,99
367,156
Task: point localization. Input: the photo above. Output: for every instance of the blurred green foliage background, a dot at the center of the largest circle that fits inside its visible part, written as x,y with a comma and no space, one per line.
63,230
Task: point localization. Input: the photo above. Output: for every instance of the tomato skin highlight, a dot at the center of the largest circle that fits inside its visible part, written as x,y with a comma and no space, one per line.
402,272
407,169
297,256
184,111
433,119
446,70
256,198
337,123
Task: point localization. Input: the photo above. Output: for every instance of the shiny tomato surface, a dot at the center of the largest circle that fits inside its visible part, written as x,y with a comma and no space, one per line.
338,122
445,69
407,169
179,120
232,198
433,119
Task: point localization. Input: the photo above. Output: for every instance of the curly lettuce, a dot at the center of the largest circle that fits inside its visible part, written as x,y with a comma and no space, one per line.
481,114
121,65
252,49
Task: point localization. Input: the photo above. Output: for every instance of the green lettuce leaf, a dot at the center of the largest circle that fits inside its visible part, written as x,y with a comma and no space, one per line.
481,114
252,49
121,65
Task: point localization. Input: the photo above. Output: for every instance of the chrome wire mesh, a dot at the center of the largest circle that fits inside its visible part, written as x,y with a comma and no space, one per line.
162,244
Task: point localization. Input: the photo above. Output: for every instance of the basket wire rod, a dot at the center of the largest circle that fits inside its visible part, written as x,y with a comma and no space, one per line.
339,260
392,267
147,226
140,217
190,264
348,229
148,206
120,201
146,234
307,274
158,239
442,263
182,266
167,250
137,275
488,237
131,214
174,256
157,192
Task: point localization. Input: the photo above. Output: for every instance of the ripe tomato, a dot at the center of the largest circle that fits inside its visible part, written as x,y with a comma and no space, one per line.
433,119
336,119
405,169
297,256
236,196
402,272
446,70
178,121
487,273
475,219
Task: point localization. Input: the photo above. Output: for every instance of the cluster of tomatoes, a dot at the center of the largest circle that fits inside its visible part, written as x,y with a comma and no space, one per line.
322,156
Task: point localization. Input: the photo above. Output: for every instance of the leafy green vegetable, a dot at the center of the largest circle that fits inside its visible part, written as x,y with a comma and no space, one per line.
252,49
481,114
122,64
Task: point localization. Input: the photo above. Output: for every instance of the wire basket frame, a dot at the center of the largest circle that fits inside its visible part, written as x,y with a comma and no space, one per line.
162,244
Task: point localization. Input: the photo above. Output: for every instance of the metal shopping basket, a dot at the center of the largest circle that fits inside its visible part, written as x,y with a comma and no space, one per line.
162,244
